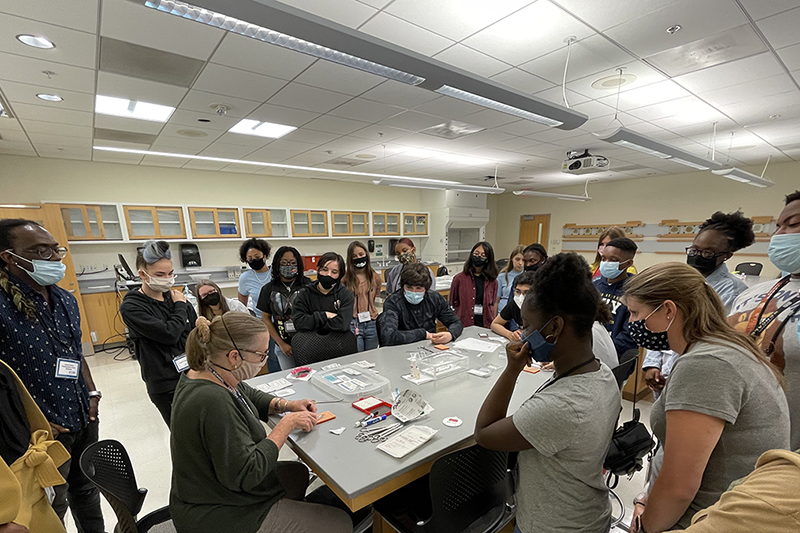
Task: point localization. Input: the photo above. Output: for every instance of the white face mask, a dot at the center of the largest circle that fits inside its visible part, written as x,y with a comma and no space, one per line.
160,284
518,299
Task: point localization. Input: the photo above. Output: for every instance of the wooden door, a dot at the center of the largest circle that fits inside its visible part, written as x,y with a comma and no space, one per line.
49,216
534,228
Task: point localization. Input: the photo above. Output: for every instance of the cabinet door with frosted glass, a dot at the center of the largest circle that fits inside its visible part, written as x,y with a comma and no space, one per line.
151,222
91,222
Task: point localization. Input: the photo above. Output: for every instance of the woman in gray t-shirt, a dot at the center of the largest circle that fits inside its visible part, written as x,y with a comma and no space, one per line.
562,432
722,406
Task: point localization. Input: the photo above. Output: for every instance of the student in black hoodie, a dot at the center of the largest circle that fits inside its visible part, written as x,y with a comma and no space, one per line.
159,320
325,305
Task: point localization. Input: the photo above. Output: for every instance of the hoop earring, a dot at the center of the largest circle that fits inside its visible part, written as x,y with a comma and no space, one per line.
551,335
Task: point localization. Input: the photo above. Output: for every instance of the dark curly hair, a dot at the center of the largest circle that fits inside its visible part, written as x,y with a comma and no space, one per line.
563,286
526,278
259,244
736,227
623,243
793,197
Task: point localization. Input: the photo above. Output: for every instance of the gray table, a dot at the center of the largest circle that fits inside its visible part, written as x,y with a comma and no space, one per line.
359,473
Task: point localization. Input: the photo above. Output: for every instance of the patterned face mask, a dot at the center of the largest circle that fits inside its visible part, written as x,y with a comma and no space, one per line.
651,340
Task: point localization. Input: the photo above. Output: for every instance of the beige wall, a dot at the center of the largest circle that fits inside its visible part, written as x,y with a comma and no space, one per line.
689,197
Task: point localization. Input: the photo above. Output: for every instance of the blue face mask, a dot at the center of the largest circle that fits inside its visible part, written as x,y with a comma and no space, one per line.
414,298
44,272
611,269
784,252
539,348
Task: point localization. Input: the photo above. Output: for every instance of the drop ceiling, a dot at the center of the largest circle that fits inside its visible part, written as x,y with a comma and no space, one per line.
748,86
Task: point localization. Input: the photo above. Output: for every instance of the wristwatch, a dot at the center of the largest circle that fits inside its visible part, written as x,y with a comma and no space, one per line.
95,394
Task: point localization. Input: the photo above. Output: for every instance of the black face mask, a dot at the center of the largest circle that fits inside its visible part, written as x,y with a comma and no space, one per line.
326,281
360,263
256,264
478,261
703,265
532,268
212,298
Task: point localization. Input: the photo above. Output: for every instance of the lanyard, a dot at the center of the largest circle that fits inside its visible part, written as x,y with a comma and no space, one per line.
755,326
565,374
233,391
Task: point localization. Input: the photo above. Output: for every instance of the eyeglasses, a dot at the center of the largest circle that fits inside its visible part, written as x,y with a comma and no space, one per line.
705,254
290,263
47,253
262,355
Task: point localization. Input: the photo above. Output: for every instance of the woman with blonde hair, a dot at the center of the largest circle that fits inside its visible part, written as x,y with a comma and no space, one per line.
608,235
224,475
505,280
723,404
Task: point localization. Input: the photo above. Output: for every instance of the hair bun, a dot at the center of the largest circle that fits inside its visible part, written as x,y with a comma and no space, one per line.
203,329
156,250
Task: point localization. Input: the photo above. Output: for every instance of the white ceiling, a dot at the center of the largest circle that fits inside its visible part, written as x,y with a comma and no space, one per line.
342,112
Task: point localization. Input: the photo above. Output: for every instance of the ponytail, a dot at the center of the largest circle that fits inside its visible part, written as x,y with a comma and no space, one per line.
197,344
211,339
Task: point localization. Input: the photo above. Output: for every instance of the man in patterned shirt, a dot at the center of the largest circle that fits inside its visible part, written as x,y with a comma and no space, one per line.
40,338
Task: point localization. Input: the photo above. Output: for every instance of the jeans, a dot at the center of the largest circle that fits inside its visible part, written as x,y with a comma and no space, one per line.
273,364
163,402
367,334
79,493
286,361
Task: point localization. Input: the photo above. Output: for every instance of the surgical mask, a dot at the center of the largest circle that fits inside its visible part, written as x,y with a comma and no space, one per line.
360,263
288,271
248,370
784,252
326,281
212,298
257,264
650,340
611,269
478,261
518,299
539,348
44,272
160,284
407,258
414,298
703,265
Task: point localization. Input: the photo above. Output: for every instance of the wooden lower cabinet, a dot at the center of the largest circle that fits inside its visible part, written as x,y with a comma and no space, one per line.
101,312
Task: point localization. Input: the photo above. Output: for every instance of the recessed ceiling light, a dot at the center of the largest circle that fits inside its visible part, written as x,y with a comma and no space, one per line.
192,133
672,30
49,97
122,107
261,129
37,41
365,156
613,82
775,116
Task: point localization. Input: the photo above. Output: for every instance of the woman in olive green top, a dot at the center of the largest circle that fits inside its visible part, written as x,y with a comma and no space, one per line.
224,465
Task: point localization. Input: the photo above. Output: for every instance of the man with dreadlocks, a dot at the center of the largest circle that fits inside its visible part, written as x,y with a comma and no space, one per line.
40,339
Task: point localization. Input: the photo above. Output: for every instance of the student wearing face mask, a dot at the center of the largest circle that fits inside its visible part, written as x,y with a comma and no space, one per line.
224,465
277,298
254,252
618,257
159,320
211,302
325,305
515,267
770,312
365,284
563,430
608,235
473,293
406,253
511,312
410,315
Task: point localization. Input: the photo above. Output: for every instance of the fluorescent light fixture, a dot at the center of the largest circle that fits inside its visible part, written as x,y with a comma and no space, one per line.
261,129
36,41
233,25
49,97
122,107
4,113
572,197
423,183
497,106
641,143
737,174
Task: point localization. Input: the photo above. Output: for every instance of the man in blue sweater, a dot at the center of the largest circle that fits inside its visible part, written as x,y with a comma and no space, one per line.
617,257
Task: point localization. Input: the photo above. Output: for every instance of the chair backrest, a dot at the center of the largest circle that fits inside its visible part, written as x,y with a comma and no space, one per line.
750,269
378,322
312,347
624,370
107,465
468,485
442,271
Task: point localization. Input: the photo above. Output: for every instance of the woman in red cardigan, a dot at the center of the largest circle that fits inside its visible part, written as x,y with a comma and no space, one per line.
473,293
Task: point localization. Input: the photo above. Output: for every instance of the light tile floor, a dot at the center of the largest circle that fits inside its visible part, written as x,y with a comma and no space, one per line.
127,415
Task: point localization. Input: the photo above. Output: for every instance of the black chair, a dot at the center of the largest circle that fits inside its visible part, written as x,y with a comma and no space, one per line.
312,347
467,491
624,370
442,271
750,269
501,263
107,465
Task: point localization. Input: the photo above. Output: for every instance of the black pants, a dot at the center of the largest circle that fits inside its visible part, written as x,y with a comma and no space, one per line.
163,402
79,494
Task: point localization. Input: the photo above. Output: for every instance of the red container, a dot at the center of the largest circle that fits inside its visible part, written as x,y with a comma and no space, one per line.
310,262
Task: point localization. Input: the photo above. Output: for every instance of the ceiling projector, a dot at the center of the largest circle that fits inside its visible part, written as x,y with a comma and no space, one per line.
583,163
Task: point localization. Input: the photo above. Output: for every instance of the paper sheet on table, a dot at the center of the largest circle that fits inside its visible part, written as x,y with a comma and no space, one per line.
273,386
476,345
419,381
407,441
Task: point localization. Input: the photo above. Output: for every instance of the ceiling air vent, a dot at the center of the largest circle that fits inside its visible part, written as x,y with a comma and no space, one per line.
346,162
452,130
124,136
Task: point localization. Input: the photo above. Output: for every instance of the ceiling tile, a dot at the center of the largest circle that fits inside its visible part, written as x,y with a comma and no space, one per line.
139,90
308,98
281,146
514,41
185,117
232,151
412,121
749,69
245,141
593,108
556,95
116,157
380,133
405,34
522,81
241,168
282,115
125,20
471,60
78,14
613,12
161,161
127,124
145,63
60,140
335,77
30,70
346,12
202,101
65,152
589,56
309,136
681,107
52,114
35,126
522,127
21,93
249,54
785,105
449,107
781,30
647,34
199,164
171,130
759,9
72,47
399,94
650,94
750,90
339,125
489,118
238,83
366,110
13,135
645,75
180,145
14,147
790,56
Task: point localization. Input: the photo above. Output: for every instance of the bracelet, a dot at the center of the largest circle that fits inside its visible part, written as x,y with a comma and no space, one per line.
285,405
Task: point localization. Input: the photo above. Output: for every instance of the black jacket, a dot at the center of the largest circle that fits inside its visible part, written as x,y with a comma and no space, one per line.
403,323
159,331
308,311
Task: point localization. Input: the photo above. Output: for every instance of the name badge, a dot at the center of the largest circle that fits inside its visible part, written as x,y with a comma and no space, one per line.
477,310
364,316
180,362
289,326
67,368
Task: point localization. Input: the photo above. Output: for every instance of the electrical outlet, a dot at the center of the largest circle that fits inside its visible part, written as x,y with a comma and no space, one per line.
93,334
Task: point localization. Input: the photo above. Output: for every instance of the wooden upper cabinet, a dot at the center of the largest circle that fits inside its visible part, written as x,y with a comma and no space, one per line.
265,223
350,223
386,223
415,224
309,223
214,222
154,222
91,222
